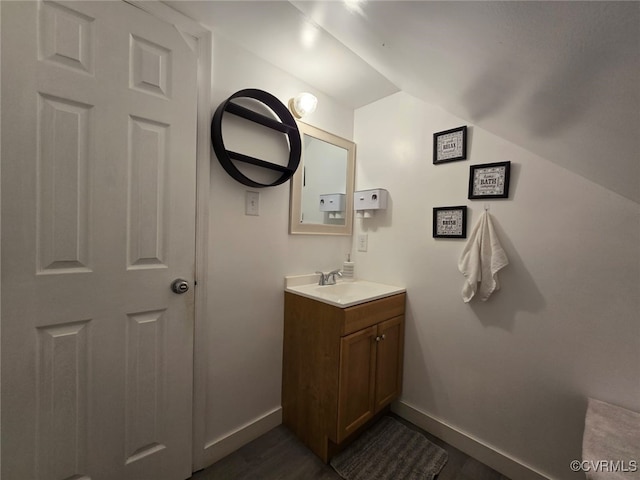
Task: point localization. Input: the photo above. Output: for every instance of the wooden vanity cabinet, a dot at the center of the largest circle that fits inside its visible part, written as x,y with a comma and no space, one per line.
341,366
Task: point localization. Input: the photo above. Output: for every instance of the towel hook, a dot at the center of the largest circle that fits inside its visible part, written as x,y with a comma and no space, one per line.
486,207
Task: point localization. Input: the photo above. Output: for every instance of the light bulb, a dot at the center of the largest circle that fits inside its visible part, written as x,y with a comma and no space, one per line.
303,104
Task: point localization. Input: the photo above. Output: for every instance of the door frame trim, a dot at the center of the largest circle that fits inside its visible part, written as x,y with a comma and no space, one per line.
0,244
204,49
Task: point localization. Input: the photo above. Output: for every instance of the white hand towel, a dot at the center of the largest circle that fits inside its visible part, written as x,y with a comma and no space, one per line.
481,260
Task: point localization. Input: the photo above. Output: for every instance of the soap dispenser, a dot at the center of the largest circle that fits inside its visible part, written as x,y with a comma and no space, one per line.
348,269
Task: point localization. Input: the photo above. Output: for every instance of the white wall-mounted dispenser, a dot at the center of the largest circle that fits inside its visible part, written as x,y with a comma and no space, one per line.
334,204
366,202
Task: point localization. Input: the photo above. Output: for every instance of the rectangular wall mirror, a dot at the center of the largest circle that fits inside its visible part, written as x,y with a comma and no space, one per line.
321,199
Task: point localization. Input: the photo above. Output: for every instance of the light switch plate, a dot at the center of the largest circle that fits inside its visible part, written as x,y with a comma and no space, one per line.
363,242
252,203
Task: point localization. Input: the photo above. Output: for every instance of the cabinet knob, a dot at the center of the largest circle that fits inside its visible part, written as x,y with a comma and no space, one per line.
383,337
378,338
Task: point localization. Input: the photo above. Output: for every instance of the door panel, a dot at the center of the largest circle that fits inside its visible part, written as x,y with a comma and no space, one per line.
357,380
389,361
98,217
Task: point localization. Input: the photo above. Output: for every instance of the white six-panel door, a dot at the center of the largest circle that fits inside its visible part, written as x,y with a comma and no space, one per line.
98,218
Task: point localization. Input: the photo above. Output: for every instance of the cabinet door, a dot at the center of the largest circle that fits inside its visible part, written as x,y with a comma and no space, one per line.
357,380
389,361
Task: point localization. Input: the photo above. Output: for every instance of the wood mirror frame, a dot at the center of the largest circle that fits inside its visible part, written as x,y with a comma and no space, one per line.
296,226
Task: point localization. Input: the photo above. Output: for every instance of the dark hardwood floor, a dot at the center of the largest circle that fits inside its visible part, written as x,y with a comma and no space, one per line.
278,454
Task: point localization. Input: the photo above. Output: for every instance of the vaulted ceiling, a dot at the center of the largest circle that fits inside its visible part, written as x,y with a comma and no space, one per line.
561,79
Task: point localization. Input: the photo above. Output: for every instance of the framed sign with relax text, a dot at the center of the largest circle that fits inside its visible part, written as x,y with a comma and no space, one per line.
490,180
450,145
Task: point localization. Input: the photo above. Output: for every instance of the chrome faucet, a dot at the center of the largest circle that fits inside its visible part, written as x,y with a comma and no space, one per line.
329,278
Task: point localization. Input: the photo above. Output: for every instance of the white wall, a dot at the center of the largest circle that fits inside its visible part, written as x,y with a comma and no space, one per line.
514,372
248,258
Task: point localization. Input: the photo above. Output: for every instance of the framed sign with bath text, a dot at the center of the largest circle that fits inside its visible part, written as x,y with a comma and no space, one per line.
490,180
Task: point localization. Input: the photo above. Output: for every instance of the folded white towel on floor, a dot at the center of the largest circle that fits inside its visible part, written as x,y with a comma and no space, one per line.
481,260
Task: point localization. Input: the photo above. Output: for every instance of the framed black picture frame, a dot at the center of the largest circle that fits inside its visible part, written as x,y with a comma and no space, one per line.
450,145
450,222
489,180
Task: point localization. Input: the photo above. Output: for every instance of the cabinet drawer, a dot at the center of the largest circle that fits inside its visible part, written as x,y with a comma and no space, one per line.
370,313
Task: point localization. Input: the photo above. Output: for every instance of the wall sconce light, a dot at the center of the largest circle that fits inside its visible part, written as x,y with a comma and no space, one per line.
303,104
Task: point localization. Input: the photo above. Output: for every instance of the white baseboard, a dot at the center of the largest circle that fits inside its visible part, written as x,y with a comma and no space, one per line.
490,456
499,461
223,446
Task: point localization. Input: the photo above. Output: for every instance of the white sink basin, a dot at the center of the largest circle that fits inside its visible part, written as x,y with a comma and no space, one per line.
346,294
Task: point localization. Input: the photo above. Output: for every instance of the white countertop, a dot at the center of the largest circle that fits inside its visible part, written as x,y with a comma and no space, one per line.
345,293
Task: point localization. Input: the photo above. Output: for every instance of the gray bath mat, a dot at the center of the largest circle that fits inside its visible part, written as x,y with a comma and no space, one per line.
390,451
